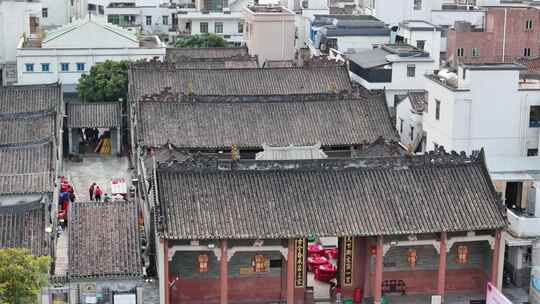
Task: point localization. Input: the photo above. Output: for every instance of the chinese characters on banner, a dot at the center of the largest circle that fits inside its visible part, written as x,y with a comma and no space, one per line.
348,254
300,249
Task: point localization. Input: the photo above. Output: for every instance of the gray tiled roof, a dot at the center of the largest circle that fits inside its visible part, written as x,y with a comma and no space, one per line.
104,240
362,197
31,98
23,226
94,115
145,80
25,128
219,64
369,58
277,123
26,168
183,54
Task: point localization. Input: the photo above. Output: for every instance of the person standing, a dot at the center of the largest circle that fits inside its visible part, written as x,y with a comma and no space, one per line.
97,193
91,191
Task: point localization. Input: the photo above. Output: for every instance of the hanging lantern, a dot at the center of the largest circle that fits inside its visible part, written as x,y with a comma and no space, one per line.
203,262
462,254
411,257
373,250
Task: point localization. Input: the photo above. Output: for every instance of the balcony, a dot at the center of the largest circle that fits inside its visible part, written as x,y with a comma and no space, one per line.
523,225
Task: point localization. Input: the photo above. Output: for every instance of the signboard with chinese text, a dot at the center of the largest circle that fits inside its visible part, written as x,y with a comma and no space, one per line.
299,256
348,257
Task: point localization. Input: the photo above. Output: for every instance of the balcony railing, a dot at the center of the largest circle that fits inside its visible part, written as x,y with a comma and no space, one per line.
522,224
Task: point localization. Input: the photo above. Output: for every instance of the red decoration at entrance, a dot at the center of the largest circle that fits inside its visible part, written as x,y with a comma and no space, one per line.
373,250
357,298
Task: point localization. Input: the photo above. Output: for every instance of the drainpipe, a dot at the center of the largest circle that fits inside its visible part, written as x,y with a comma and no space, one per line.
504,35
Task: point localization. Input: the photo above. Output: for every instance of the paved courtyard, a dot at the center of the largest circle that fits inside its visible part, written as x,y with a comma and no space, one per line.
98,169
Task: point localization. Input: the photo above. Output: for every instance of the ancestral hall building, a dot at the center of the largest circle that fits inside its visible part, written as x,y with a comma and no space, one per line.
236,230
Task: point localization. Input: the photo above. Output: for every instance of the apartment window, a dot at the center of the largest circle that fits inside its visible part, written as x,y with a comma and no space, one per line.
411,70
475,52
45,67
534,117
92,7
412,133
400,125
64,67
527,52
417,4
165,20
218,27
114,19
528,25
240,27
532,152
460,52
204,27
437,109
148,20
80,67
44,12
420,44
101,9
29,67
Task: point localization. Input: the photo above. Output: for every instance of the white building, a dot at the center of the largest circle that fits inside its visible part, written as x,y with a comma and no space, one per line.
518,182
344,32
409,114
179,18
56,13
483,106
422,34
270,32
67,53
395,11
17,19
395,68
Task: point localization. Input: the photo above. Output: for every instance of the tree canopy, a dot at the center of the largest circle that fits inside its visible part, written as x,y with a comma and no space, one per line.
201,41
107,81
21,276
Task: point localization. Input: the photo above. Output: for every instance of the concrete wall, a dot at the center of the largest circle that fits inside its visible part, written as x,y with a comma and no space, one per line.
432,42
58,12
14,21
270,36
410,119
360,42
55,57
395,11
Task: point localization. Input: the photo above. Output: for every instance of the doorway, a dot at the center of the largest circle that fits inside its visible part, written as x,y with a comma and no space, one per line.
322,267
513,195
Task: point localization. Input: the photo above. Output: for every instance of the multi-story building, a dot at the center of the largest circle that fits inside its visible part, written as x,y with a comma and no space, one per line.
270,32
176,19
394,68
509,32
56,13
67,53
344,32
466,113
17,19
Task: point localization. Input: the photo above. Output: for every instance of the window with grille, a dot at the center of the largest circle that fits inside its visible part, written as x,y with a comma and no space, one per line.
417,4
528,25
460,52
204,27
437,109
476,52
218,27
411,70
527,52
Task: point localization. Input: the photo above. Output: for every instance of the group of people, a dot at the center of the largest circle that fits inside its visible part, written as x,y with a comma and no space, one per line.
95,192
67,195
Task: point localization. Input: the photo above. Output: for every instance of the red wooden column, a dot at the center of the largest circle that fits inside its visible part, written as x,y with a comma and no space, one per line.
441,278
495,258
377,285
291,250
223,275
166,271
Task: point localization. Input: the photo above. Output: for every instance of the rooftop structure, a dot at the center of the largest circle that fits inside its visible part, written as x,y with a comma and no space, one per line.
464,199
23,226
334,120
211,58
153,79
104,241
29,99
94,115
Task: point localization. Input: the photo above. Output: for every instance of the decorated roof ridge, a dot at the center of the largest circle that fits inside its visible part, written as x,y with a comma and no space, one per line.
22,207
27,145
170,95
27,115
156,64
208,163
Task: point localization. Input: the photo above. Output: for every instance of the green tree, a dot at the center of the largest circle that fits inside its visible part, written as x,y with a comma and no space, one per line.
107,81
21,276
201,41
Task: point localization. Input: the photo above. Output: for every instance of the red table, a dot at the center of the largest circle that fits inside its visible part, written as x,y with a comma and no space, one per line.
325,272
315,249
315,261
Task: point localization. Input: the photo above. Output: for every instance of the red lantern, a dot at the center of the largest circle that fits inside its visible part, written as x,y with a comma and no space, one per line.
373,250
